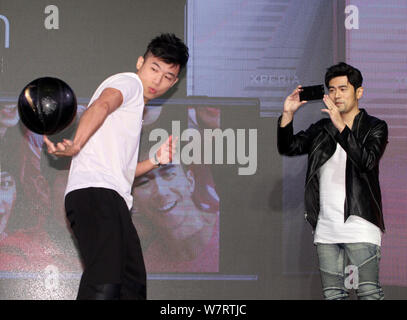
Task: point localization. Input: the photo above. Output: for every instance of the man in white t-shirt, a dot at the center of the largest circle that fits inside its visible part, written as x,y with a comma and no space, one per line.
104,164
342,190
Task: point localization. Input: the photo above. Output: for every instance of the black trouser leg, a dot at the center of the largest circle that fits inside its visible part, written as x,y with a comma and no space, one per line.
134,273
108,243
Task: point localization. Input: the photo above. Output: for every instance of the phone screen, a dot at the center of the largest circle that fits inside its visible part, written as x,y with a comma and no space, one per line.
312,93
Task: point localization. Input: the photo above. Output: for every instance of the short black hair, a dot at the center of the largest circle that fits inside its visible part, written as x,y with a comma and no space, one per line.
343,69
168,48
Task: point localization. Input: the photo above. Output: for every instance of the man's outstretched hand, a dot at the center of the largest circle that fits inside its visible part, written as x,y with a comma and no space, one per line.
167,150
66,148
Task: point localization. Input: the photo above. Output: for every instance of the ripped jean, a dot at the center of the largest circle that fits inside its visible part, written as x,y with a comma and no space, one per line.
346,266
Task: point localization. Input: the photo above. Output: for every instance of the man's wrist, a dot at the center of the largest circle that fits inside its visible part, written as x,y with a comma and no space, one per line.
286,118
288,113
155,161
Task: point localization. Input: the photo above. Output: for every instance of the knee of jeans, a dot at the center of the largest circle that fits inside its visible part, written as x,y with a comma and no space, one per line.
333,286
335,293
331,279
370,291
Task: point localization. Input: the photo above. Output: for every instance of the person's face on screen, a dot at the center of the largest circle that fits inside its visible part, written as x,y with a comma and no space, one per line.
8,114
7,198
208,117
343,94
164,195
156,75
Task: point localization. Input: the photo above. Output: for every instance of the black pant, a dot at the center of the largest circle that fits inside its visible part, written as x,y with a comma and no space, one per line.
108,243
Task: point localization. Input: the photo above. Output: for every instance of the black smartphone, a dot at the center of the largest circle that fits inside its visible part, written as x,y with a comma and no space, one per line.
312,93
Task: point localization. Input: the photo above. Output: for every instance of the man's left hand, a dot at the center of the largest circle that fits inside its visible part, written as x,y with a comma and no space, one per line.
333,112
167,150
66,148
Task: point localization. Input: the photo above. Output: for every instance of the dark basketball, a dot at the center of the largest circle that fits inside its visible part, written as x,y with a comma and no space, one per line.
47,105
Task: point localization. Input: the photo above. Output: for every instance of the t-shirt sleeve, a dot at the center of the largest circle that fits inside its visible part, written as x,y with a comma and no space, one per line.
127,85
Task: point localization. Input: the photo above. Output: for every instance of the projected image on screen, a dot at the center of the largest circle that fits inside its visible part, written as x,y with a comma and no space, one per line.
22,247
175,208
34,232
175,211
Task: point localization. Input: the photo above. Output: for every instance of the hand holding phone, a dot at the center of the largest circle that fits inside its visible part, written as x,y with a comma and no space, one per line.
312,93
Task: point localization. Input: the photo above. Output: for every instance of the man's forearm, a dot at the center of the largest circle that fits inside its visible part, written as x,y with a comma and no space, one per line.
91,120
144,166
286,118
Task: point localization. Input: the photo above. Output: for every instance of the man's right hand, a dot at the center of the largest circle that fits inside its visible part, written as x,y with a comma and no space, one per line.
62,149
291,104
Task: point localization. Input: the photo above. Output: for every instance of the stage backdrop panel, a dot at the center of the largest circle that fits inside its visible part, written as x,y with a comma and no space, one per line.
229,225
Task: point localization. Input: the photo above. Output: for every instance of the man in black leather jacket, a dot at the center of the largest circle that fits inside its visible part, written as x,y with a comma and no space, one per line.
342,190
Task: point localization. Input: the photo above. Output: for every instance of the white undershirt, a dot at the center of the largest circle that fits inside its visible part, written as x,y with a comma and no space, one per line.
331,227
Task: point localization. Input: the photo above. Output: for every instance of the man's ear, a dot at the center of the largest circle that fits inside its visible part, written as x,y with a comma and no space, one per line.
191,180
140,62
359,93
175,81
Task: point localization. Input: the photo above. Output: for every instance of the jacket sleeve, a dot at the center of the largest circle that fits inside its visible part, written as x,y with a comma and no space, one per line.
289,144
367,153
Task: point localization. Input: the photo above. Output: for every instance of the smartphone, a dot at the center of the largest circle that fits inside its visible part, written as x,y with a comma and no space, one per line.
312,93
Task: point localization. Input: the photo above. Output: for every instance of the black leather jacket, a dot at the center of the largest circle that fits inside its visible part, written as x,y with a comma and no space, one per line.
364,145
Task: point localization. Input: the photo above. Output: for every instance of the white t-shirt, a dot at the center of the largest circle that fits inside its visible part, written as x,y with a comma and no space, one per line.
331,227
109,158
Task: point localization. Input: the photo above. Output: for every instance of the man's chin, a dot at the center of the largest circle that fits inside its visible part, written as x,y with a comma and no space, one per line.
150,96
341,108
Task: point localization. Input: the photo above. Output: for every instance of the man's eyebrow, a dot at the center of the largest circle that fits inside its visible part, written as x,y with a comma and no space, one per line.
341,86
148,175
155,63
169,73
166,169
145,178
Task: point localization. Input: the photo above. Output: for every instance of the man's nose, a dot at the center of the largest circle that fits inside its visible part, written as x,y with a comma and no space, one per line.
157,79
161,187
161,196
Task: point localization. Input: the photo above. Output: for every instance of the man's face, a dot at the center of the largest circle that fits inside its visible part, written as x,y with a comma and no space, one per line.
343,94
7,198
8,114
164,195
156,75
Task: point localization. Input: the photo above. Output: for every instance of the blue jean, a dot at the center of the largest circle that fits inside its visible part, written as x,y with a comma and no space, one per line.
346,266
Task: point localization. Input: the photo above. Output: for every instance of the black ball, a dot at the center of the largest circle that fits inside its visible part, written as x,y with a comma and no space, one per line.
47,105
